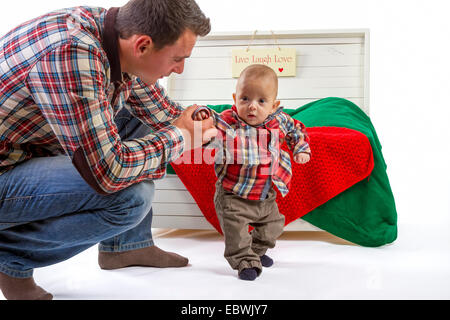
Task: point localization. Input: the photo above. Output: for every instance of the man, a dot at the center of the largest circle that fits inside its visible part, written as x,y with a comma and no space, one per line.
84,129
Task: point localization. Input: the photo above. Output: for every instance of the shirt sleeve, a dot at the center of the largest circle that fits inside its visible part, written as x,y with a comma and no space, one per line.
69,86
297,138
224,132
151,104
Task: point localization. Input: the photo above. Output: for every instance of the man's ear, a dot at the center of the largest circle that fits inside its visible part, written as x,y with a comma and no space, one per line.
143,44
234,98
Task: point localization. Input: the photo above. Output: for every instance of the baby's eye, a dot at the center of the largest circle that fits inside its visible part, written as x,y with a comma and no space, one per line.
244,98
262,101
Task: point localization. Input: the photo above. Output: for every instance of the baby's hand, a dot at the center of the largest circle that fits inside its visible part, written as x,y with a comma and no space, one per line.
302,157
200,114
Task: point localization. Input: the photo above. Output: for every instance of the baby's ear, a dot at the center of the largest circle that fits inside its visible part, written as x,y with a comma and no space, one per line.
276,104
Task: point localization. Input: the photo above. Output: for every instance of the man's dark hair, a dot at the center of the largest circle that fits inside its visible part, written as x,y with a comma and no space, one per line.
163,20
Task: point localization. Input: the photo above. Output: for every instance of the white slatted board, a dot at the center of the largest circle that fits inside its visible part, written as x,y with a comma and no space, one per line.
330,63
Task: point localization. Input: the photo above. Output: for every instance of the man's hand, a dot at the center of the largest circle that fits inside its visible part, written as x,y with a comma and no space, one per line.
195,133
302,157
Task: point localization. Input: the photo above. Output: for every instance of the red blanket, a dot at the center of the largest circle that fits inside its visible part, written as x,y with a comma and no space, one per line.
341,157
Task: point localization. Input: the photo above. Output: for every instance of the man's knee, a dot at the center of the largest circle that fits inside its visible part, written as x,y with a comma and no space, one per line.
131,205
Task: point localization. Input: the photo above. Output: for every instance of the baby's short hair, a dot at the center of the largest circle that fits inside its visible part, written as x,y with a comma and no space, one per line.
260,71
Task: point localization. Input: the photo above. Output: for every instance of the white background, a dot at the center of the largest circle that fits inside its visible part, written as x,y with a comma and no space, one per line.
409,76
409,80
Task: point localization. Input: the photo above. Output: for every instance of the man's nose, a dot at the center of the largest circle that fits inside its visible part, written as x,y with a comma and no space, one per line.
179,68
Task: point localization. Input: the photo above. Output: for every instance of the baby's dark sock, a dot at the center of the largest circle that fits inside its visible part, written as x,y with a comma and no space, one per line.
248,274
266,261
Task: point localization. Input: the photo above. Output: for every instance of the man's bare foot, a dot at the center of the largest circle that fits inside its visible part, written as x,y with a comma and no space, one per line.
146,257
22,289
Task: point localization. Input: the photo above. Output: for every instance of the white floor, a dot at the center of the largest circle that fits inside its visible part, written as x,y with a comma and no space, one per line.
409,86
308,265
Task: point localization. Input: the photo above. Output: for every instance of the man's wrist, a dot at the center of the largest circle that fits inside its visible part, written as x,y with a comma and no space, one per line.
177,138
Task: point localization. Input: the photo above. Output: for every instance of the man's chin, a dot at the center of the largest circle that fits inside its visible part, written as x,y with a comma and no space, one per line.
148,81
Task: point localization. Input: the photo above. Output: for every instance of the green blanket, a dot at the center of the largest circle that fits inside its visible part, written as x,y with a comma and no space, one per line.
364,214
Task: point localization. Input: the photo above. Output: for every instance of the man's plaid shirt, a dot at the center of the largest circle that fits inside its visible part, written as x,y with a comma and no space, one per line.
248,159
61,86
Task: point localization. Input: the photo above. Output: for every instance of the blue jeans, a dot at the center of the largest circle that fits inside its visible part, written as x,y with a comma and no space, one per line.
48,213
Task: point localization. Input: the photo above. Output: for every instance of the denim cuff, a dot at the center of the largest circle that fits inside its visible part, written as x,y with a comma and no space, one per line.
16,273
125,247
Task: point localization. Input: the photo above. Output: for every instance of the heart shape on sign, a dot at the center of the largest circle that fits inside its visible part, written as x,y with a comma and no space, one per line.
280,69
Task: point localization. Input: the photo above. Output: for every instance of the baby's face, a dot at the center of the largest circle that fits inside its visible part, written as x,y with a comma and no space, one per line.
255,100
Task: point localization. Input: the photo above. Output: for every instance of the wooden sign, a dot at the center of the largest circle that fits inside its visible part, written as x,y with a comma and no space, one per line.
281,60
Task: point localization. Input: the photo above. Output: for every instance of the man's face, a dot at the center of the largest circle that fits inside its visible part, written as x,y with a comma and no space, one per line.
153,64
255,99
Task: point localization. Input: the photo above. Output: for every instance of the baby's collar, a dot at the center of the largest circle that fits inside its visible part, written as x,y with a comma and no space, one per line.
243,123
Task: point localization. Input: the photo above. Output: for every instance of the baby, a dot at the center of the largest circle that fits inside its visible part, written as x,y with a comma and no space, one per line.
249,160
